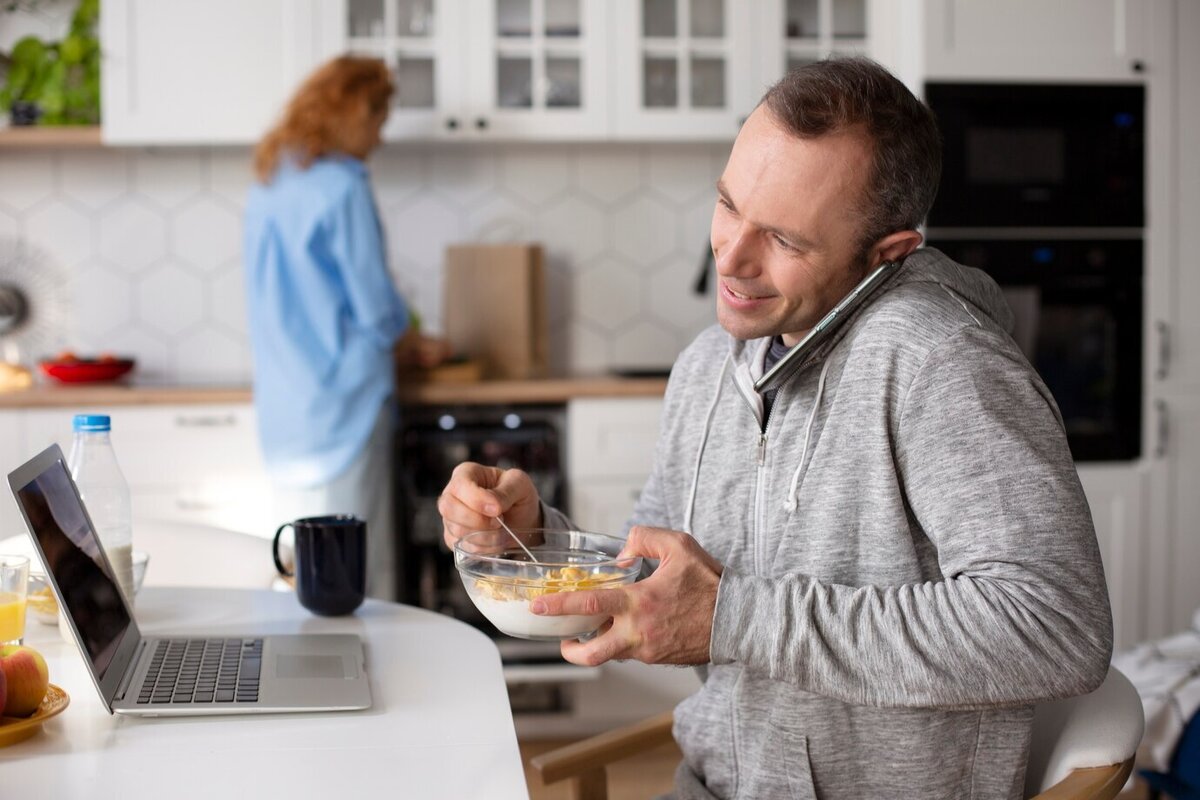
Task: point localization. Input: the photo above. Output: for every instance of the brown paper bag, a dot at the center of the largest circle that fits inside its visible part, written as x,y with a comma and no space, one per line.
494,302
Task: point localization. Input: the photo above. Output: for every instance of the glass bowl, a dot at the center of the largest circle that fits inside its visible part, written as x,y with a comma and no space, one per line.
501,580
141,560
40,603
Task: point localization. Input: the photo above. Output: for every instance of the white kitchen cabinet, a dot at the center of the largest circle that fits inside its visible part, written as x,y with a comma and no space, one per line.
485,69
188,463
1173,595
610,453
1089,40
202,71
685,69
1118,497
797,32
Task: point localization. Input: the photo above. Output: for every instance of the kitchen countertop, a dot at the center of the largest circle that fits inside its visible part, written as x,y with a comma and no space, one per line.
45,395
542,390
539,390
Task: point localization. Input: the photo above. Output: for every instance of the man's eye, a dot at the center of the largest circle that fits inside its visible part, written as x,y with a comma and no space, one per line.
784,243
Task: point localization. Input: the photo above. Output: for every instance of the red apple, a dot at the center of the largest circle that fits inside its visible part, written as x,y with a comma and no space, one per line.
25,673
3,691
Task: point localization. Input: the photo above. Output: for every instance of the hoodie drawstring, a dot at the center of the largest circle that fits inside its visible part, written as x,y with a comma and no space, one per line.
789,504
712,409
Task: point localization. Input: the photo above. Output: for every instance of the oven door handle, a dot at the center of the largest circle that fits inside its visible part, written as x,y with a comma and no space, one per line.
1164,350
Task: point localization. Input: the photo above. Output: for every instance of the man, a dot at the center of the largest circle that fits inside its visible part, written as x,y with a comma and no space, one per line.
881,568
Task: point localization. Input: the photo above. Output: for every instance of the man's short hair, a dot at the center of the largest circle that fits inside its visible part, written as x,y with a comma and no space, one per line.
835,94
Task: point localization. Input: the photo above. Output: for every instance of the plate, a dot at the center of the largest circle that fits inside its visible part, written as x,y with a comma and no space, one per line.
86,370
18,729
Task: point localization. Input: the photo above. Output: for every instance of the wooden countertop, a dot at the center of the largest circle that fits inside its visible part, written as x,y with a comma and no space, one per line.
45,395
544,390
541,390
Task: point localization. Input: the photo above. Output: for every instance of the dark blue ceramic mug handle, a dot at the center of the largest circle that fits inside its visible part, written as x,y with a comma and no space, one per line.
275,552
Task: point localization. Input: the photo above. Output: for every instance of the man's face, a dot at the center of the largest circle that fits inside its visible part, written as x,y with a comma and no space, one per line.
785,230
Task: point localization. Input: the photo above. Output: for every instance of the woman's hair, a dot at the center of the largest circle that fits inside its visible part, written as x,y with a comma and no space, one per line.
327,113
837,94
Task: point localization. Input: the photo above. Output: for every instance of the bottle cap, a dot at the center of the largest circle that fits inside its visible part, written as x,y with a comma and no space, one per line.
92,422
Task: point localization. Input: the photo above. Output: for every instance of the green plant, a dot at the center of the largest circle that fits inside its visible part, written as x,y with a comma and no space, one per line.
62,78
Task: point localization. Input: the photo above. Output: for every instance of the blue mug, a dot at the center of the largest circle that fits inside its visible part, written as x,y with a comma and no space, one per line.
331,562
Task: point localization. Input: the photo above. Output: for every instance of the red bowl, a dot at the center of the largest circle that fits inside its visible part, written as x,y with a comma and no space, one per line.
84,370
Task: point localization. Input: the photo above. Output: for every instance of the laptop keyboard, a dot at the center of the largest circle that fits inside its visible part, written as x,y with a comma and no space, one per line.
203,671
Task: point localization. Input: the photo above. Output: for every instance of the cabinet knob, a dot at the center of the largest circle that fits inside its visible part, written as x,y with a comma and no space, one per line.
481,123
452,124
1137,65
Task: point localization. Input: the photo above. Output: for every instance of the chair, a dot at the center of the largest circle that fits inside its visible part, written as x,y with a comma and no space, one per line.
1081,749
189,554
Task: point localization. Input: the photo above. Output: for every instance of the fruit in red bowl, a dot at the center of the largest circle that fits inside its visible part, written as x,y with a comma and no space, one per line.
70,368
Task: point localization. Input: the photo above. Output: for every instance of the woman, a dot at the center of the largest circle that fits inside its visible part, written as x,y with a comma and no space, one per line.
324,313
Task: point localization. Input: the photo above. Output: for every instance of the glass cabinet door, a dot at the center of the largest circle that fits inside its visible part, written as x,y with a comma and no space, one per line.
688,69
540,71
419,41
800,32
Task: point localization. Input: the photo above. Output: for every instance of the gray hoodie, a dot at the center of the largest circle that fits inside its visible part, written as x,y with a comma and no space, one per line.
910,562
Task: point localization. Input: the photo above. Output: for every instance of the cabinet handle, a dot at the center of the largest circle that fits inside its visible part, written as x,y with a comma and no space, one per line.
1164,350
481,123
1137,65
1164,429
452,123
207,421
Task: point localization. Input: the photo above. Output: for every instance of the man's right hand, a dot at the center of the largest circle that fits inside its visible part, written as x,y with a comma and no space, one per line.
476,495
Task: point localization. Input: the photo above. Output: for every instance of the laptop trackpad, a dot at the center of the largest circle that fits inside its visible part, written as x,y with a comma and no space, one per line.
309,666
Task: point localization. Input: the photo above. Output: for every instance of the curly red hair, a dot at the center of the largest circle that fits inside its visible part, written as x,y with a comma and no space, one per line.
327,113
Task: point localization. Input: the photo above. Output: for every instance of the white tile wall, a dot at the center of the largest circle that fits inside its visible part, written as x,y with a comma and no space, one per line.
149,243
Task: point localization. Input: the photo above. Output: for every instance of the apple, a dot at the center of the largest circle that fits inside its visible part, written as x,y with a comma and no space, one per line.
28,679
3,691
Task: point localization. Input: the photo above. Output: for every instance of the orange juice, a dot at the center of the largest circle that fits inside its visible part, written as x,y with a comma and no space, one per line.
12,616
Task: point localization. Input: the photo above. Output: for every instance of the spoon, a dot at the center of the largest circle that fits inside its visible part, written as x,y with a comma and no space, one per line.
517,540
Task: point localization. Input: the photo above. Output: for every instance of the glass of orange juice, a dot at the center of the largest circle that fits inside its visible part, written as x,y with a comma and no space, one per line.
14,584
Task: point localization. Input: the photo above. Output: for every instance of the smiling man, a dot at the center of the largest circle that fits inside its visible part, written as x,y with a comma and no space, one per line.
882,565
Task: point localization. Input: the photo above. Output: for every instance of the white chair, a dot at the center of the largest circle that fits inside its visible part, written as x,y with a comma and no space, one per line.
1079,743
1081,749
189,554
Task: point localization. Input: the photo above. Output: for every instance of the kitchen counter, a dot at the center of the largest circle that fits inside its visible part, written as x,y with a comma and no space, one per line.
45,395
541,390
544,390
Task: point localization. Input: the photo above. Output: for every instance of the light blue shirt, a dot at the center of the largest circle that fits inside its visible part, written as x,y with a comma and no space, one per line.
324,315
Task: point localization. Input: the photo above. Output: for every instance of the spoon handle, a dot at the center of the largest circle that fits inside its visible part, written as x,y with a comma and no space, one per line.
516,539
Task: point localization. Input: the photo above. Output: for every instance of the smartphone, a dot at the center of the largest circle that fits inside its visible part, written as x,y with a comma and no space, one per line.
785,367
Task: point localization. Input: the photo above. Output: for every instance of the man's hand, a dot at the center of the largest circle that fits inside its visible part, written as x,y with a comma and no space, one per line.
665,619
476,495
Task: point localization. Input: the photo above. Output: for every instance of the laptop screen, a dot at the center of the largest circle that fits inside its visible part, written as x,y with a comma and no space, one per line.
71,550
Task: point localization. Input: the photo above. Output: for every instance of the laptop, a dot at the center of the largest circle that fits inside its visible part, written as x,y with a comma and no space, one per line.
165,675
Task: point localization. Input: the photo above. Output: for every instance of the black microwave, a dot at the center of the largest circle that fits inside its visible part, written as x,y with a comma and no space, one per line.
1038,155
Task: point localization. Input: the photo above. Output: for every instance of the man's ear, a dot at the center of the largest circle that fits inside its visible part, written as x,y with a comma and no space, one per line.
894,247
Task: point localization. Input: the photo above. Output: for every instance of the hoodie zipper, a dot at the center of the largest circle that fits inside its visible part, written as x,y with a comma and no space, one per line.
760,481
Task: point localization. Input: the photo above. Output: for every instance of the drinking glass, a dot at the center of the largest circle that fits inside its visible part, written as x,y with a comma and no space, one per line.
14,586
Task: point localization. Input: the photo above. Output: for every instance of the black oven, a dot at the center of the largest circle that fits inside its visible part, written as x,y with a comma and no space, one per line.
1036,155
1078,310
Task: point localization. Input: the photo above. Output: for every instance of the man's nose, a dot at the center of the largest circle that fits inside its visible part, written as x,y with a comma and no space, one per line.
737,256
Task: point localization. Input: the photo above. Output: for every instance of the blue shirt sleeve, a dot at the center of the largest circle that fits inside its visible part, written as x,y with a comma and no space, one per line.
356,243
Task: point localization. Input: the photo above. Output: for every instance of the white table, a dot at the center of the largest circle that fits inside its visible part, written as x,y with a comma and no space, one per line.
440,726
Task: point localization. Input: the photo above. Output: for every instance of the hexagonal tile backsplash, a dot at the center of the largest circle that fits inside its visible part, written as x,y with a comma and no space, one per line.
151,241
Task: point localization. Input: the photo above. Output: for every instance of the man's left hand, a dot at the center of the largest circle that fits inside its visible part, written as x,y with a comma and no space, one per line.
665,619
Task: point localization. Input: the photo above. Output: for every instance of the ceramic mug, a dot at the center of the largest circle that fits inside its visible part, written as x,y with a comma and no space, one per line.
331,562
